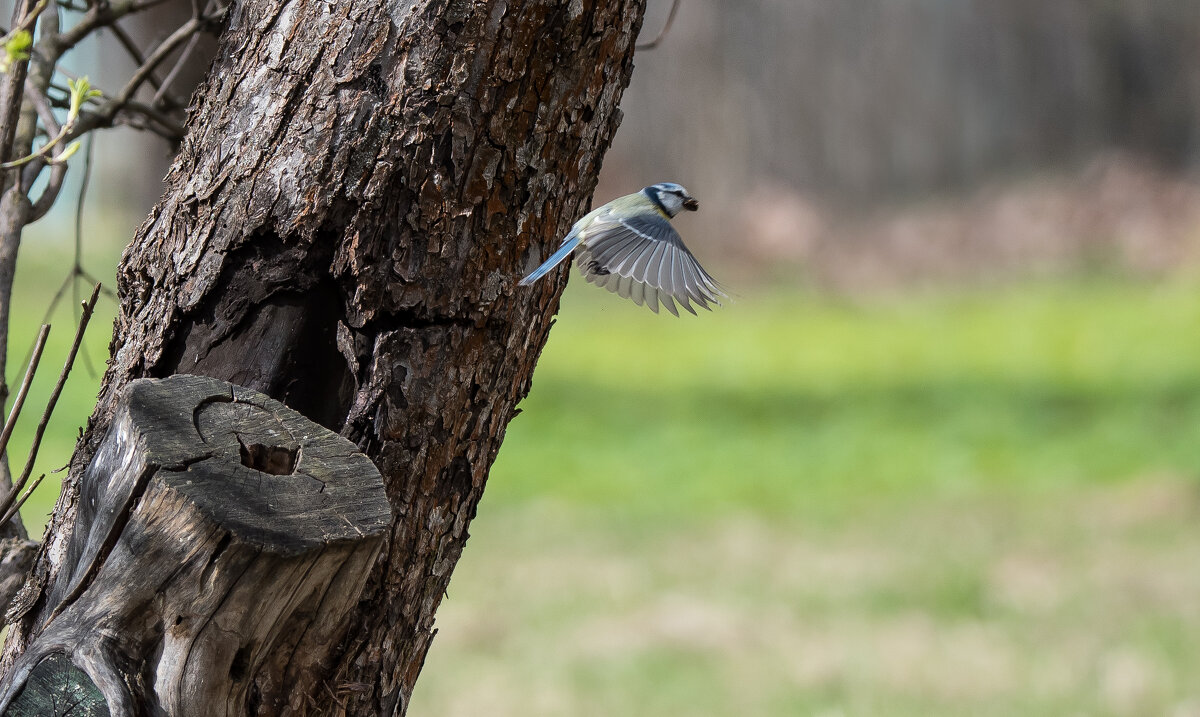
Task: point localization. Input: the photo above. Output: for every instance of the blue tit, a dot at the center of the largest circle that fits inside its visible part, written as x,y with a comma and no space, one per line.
629,247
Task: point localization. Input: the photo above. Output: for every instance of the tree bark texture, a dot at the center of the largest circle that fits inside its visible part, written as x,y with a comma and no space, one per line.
220,548
360,189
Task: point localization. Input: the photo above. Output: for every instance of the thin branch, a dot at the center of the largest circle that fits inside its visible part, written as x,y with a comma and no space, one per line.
84,183
26,22
666,28
38,153
160,98
11,423
105,114
45,202
165,48
78,272
136,53
10,499
168,128
80,93
145,5
19,401
20,503
97,16
111,105
10,91
42,104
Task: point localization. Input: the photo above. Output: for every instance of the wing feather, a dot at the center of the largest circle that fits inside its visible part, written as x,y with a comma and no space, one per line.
651,298
678,288
623,287
642,258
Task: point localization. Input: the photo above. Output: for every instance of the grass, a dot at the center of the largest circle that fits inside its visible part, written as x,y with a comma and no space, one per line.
789,403
943,503
960,502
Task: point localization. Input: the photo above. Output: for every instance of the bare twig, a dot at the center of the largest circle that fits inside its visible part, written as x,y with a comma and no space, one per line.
7,504
666,28
20,502
97,16
145,5
104,114
164,49
19,401
49,195
160,98
10,92
84,183
168,128
42,104
136,53
328,689
77,273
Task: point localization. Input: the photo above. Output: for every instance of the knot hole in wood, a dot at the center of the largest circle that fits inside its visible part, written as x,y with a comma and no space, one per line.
259,436
272,460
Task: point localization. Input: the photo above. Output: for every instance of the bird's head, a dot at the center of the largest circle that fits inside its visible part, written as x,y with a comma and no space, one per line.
671,197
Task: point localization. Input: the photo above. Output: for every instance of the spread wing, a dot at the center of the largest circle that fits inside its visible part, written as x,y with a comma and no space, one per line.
644,259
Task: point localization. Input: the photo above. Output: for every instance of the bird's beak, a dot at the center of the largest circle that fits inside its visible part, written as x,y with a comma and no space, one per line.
691,204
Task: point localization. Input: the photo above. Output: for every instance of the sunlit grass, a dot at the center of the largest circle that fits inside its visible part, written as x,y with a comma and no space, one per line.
942,503
786,402
961,502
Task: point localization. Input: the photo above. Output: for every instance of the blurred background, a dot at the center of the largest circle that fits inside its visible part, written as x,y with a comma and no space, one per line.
938,457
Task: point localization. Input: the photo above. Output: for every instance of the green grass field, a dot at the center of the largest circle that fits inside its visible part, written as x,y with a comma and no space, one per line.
955,503
959,502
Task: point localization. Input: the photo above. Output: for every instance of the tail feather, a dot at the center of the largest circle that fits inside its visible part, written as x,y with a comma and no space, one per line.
555,259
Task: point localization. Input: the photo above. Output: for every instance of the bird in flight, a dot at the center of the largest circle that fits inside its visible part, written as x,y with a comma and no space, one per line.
629,247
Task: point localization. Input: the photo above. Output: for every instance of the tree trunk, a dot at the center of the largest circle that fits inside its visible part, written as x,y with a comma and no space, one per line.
360,188
203,500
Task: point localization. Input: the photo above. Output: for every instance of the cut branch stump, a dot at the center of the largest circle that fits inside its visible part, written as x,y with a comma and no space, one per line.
221,545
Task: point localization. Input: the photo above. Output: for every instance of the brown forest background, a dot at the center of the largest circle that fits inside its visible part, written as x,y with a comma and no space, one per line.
862,144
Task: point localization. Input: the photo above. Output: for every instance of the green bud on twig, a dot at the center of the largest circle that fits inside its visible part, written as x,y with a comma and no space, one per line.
16,48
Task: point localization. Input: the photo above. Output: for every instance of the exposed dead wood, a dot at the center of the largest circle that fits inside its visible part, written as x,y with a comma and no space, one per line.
222,544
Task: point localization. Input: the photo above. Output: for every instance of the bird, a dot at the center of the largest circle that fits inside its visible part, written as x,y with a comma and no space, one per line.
629,247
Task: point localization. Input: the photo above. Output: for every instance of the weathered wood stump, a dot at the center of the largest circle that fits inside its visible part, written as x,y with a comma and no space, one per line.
221,544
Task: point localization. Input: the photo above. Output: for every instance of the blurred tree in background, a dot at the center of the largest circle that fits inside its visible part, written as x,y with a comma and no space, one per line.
794,121
888,98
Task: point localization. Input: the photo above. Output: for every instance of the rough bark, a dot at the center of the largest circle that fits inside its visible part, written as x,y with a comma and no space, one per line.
221,546
361,186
